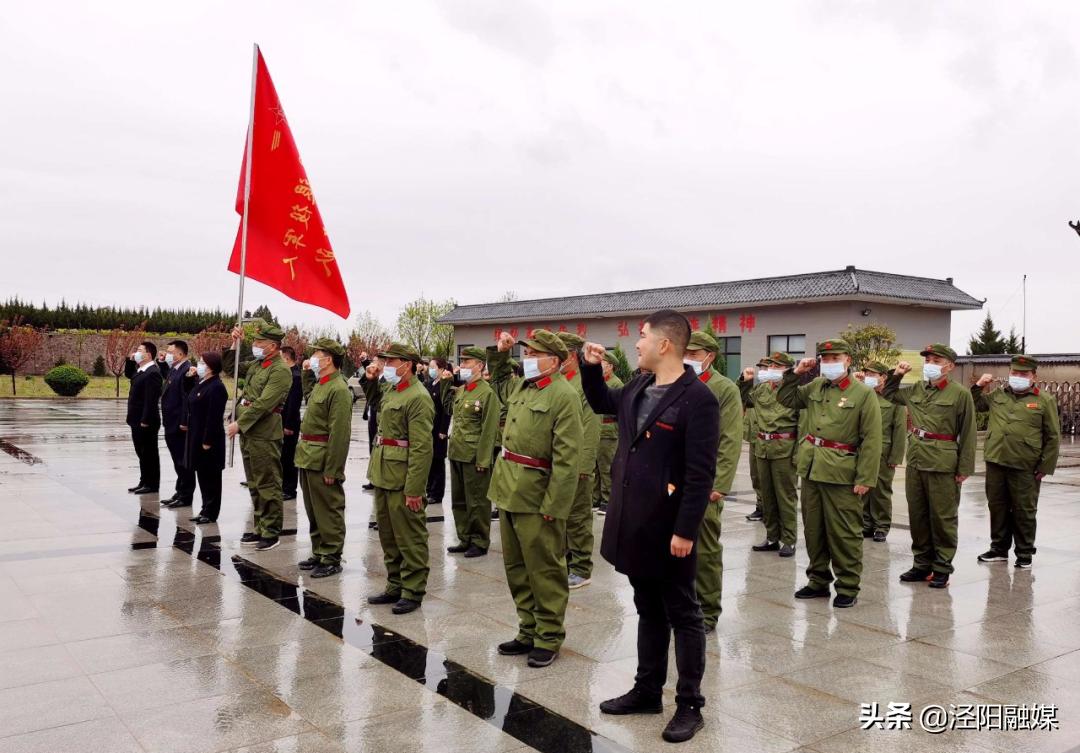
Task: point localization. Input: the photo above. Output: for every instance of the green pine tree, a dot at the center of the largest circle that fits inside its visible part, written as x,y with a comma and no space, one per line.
987,340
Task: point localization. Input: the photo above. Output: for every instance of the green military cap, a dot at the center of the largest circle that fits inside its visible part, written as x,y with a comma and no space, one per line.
329,345
877,367
703,341
400,350
763,363
833,346
939,349
779,359
546,342
571,341
609,356
480,354
1024,363
264,331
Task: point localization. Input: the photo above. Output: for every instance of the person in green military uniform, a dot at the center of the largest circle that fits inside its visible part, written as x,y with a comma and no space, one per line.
750,431
398,470
940,457
258,422
579,525
1022,443
472,452
877,504
325,434
608,443
838,462
700,355
533,486
777,437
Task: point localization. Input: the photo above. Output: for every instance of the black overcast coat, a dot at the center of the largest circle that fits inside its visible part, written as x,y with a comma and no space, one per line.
661,477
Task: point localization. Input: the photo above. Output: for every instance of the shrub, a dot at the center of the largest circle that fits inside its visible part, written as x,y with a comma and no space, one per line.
99,366
67,381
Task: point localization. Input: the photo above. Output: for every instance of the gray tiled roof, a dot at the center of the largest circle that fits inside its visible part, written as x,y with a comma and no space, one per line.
845,283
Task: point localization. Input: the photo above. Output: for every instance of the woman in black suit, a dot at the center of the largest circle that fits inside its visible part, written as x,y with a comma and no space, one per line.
204,422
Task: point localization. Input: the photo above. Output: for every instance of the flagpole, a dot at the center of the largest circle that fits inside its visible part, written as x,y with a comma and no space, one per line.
243,237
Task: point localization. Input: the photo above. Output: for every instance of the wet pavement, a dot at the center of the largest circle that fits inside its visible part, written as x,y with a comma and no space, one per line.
123,627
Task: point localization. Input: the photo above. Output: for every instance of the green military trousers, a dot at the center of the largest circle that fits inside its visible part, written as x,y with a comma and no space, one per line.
534,557
579,529
470,504
832,525
404,538
710,563
325,506
755,481
605,456
933,503
779,502
1012,496
877,503
262,467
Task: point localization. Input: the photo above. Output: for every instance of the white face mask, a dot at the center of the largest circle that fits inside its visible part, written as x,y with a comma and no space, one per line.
137,356
773,375
465,374
871,381
695,365
763,375
531,367
201,370
833,370
931,372
170,358
313,364
1019,384
257,351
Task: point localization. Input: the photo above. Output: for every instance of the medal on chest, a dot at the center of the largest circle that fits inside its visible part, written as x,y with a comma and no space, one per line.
842,403
476,407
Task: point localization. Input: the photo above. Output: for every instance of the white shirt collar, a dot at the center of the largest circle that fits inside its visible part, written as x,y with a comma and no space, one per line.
148,364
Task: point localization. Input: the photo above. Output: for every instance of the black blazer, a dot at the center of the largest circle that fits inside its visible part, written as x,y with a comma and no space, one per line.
204,416
142,407
290,413
174,395
661,477
443,410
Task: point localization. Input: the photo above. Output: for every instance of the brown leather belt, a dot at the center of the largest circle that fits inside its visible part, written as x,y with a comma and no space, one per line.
776,435
609,420
819,442
513,457
924,434
393,442
315,437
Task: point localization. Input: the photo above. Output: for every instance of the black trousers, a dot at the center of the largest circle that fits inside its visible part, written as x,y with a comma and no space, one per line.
664,606
372,430
185,478
436,480
288,466
146,449
208,470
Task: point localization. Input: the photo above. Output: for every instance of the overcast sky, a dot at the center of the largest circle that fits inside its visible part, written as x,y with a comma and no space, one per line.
462,149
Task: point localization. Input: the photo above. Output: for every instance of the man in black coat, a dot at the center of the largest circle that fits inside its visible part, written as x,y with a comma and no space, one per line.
290,422
179,377
661,480
143,417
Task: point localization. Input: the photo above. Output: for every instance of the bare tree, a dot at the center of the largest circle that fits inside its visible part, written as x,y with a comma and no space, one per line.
18,344
298,341
119,345
213,338
369,336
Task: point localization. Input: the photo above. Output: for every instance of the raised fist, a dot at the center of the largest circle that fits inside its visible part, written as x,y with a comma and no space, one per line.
748,374
373,371
985,379
505,342
593,353
902,368
805,365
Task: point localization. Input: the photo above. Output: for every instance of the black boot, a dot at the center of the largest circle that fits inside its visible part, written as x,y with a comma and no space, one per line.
686,723
636,701
914,575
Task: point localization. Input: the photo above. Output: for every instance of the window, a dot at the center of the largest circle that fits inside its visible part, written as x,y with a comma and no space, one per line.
731,350
793,345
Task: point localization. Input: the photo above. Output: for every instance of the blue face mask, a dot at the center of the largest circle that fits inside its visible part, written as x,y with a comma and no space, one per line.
257,351
1019,383
871,381
170,358
833,371
465,374
137,356
201,370
931,372
313,364
391,376
695,365
433,372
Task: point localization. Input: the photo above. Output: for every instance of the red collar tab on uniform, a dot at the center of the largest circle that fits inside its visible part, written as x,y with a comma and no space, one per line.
267,362
402,385
608,377
705,376
325,379
471,386
570,375
942,383
774,386
844,383
1035,391
542,383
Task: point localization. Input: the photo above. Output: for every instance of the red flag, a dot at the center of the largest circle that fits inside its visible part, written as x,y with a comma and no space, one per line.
287,245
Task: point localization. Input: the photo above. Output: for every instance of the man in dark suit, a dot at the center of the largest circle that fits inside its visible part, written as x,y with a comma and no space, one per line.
143,417
662,477
290,423
179,376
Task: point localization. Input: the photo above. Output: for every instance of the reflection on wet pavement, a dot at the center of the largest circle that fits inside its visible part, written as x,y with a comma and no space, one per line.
125,627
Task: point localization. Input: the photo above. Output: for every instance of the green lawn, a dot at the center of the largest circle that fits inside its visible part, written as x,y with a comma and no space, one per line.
99,387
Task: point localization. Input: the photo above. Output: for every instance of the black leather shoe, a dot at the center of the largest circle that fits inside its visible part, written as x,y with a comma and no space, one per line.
146,490
404,606
384,598
201,520
475,551
767,546
325,571
514,648
809,592
939,580
165,502
287,496
541,657
868,533
1023,562
368,487
243,483
131,489
634,702
787,550
250,538
265,545
880,536
372,525
843,601
755,515
309,564
178,503
915,575
457,548
686,723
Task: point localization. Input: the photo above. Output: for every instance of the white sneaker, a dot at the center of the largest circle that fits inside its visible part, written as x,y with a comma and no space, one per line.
576,581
